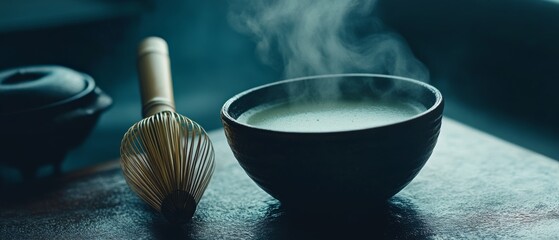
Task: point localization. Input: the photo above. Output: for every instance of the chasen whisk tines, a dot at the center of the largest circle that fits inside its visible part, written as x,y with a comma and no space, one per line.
165,159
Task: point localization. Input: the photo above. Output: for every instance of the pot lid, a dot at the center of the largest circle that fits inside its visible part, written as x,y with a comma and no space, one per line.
41,88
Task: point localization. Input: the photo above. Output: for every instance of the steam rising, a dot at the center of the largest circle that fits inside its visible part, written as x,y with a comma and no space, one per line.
311,37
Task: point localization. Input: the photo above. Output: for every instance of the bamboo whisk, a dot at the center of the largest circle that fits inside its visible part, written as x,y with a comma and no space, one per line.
166,158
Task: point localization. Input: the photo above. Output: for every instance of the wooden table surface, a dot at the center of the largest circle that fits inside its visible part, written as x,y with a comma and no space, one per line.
473,186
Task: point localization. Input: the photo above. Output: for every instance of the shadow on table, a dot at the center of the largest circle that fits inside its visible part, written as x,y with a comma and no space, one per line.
16,192
397,219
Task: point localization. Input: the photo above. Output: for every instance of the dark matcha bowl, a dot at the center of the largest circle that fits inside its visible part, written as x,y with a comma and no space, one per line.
341,171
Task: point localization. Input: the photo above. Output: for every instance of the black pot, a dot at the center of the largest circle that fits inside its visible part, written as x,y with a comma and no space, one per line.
44,112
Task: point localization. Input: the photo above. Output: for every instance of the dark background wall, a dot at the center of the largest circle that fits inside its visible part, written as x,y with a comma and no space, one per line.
496,61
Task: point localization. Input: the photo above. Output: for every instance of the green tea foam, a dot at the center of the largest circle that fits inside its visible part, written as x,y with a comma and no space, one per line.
329,116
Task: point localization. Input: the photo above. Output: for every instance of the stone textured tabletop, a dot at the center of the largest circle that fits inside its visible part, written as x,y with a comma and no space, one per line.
474,186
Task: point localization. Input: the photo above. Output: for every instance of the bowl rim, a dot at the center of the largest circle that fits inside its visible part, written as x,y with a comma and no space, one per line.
226,116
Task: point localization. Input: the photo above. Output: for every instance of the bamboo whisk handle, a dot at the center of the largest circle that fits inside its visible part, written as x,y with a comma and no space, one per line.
154,67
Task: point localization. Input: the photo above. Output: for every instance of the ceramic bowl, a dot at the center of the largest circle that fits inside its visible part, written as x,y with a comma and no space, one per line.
335,171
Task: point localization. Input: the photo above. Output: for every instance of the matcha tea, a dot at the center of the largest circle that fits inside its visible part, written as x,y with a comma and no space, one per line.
328,116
